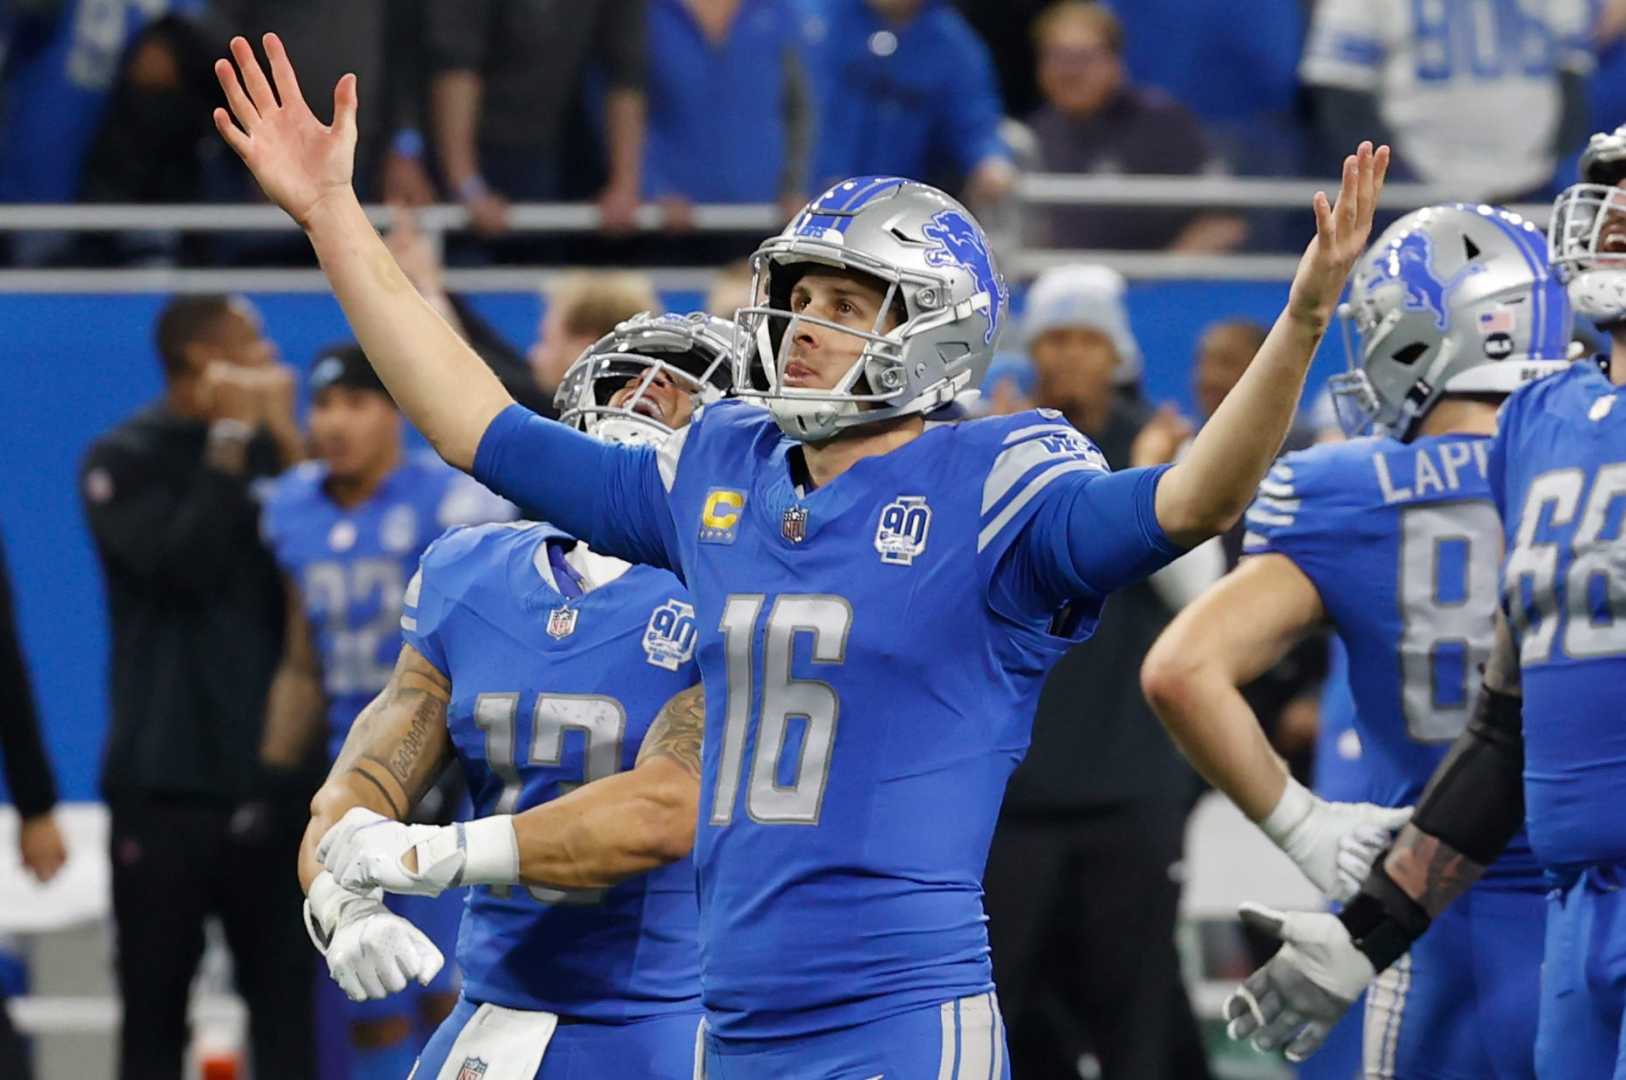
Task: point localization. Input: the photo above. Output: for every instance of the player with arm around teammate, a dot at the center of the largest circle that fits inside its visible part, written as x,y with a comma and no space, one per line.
879,586
541,666
1545,748
1394,540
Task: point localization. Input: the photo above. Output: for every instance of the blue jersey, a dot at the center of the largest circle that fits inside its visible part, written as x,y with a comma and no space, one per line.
1558,471
352,565
548,694
1402,543
872,650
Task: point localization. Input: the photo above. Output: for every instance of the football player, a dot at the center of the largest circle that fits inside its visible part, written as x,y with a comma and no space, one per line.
347,530
1545,747
879,586
541,666
1394,540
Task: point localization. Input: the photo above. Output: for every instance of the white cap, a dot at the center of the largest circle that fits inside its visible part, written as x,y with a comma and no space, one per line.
1084,295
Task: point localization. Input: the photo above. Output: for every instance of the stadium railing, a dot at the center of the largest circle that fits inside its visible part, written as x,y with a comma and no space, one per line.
1021,262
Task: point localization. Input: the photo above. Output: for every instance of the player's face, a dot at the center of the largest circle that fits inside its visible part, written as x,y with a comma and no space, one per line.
1612,237
1222,356
663,399
1075,366
817,357
1078,71
354,431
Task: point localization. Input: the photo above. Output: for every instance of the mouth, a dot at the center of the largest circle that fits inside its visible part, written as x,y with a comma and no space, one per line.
798,374
646,407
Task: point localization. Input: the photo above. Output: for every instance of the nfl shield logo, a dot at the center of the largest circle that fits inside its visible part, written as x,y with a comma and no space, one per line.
793,526
473,1069
561,624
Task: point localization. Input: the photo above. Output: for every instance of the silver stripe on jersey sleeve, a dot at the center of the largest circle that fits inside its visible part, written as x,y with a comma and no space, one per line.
1013,464
1038,429
1036,485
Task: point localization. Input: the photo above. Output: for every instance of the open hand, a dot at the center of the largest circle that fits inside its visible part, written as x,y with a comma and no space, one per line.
298,160
1341,234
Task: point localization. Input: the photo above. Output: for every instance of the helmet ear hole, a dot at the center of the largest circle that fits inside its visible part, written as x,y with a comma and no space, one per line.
1408,355
1470,250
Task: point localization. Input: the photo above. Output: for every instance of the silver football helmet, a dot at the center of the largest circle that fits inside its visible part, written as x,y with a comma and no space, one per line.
1586,237
1453,299
691,352
933,261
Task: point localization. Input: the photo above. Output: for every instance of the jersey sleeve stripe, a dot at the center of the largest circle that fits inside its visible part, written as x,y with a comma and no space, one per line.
1257,515
1277,490
409,623
1280,506
1252,541
666,458
1018,461
1038,429
1028,494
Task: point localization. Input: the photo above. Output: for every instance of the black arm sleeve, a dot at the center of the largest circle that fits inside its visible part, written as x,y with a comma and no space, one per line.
187,538
1475,799
28,773
1474,803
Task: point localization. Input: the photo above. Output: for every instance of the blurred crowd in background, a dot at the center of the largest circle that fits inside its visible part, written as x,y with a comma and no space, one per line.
680,103
683,103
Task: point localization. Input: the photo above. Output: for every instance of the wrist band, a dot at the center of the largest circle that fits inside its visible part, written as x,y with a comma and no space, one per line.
1382,920
473,187
408,142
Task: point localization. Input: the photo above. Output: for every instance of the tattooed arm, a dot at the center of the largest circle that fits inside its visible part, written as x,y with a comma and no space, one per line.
395,750
624,824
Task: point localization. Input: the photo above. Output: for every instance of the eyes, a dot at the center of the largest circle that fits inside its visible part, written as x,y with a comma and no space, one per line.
843,307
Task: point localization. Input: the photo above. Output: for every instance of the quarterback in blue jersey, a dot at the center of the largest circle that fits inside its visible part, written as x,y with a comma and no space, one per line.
1544,749
1394,540
879,586
547,665
347,530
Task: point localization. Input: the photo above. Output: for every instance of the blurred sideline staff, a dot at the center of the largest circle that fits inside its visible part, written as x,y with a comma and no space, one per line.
197,616
28,777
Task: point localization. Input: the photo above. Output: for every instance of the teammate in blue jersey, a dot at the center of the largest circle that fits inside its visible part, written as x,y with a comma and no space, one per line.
1394,540
1545,748
547,665
347,530
879,586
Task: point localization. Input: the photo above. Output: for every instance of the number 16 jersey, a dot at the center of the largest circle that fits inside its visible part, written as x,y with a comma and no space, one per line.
872,652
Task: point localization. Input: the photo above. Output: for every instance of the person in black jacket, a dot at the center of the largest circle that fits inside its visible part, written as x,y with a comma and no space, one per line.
197,613
1082,886
28,776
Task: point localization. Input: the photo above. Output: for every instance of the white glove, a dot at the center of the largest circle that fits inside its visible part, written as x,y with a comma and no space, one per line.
1304,990
365,850
371,951
1333,843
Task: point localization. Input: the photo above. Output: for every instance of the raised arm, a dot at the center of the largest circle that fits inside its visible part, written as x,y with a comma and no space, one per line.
595,836
305,167
1205,493
1193,678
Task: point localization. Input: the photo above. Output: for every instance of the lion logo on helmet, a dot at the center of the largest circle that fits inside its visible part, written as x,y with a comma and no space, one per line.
957,241
1409,261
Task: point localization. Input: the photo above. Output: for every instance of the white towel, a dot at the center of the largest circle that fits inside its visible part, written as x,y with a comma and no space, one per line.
499,1044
